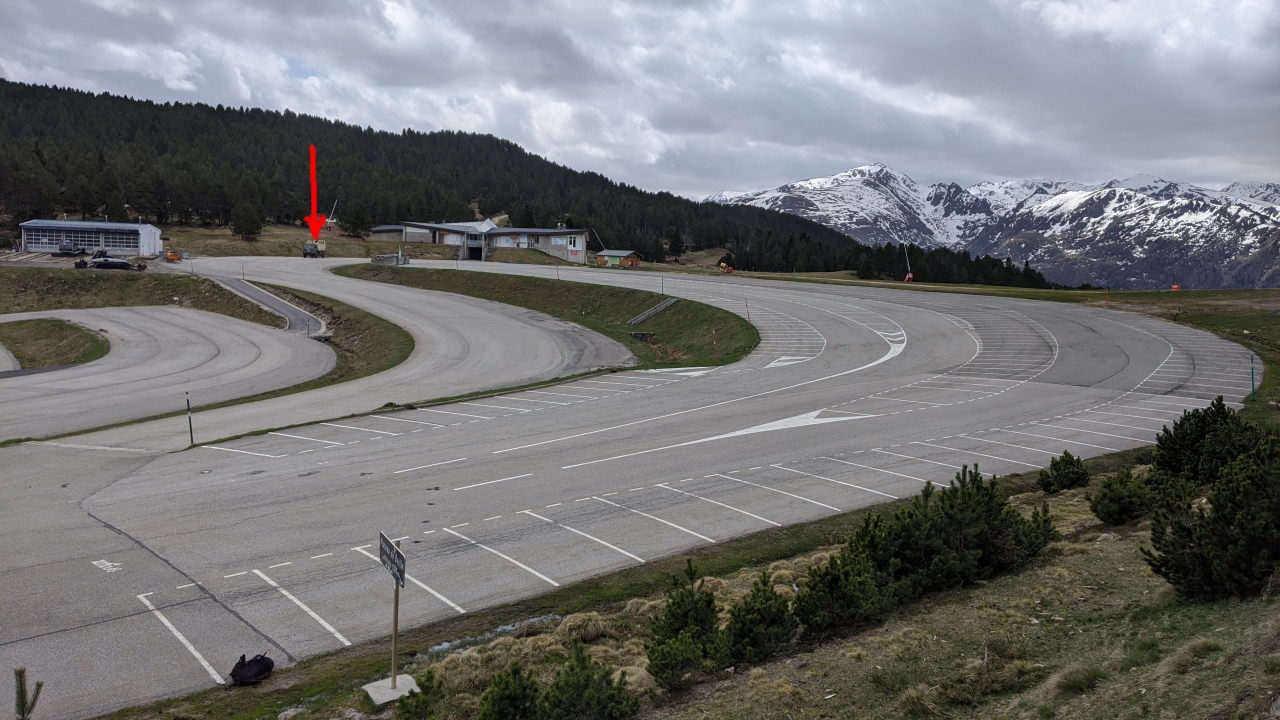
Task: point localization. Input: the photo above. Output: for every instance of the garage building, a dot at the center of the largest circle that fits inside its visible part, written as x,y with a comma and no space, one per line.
120,239
478,239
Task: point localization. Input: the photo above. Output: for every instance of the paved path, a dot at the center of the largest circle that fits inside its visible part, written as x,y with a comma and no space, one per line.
8,363
158,354
855,396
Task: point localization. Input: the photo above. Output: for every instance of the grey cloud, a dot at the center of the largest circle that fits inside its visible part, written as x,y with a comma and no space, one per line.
695,97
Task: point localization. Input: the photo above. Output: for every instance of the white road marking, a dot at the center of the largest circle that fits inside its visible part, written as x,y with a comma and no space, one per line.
317,557
299,437
509,559
490,482
246,452
498,407
609,382
305,609
1085,430
280,565
245,572
971,452
872,467
1074,442
446,412
723,505
894,351
913,457
352,427
783,492
587,397
838,482
1136,417
544,402
423,467
589,537
651,517
1100,422
419,422
86,447
1020,447
183,587
414,580
185,643
495,517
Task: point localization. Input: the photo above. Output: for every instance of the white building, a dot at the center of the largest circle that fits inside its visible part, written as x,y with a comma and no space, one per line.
120,239
479,237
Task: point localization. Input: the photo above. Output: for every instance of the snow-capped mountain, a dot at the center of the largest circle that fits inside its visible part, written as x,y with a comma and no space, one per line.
1141,231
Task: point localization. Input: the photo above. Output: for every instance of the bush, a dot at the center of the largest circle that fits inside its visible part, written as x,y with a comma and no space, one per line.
1202,442
1230,549
690,607
760,625
673,662
513,695
584,690
420,704
945,538
1064,472
1120,499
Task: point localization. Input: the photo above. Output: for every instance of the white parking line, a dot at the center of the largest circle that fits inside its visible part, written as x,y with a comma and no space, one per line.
872,467
587,397
544,402
446,412
1136,417
352,427
490,482
589,537
723,505
414,580
511,560
305,609
972,452
245,452
651,517
783,492
1020,447
1050,437
300,437
497,407
1100,422
185,643
423,467
609,382
1085,430
417,422
838,482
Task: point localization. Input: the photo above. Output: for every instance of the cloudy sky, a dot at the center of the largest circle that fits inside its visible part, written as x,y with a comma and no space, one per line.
695,96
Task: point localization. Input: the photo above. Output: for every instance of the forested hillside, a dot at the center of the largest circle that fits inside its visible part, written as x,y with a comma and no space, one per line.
68,151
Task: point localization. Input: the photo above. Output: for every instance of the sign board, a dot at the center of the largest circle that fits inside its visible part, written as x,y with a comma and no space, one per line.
392,558
558,241
1175,286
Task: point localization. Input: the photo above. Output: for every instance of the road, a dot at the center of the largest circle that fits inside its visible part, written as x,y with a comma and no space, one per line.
855,396
157,355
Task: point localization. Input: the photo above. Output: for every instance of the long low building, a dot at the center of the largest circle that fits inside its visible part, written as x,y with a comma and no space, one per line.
479,238
120,239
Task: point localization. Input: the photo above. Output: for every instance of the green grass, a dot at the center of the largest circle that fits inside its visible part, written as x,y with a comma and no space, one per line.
26,289
682,335
287,240
48,342
527,257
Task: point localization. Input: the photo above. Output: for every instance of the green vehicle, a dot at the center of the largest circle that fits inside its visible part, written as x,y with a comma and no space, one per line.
313,249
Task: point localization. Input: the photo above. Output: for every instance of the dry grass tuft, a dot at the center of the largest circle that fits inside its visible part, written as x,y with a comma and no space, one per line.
587,627
1186,656
1074,680
537,627
639,680
917,701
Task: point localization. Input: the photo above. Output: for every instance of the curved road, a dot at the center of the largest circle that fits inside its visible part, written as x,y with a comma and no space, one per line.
855,396
157,354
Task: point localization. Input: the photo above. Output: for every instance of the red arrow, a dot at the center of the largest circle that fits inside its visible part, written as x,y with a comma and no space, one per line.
314,220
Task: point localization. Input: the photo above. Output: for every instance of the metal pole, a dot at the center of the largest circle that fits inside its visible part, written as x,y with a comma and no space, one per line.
744,302
1252,384
190,428
395,627
662,285
715,349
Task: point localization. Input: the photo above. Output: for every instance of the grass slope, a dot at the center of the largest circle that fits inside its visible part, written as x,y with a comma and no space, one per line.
527,257
287,240
44,289
682,334
48,342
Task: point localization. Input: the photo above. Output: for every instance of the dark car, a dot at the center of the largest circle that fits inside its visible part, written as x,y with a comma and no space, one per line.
106,263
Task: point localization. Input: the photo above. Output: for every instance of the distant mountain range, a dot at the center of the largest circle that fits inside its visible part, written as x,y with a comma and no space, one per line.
1142,231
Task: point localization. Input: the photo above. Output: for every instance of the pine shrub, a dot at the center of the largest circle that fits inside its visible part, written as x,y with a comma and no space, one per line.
1202,442
513,695
760,625
945,538
691,607
1064,472
1120,499
584,690
672,663
420,704
1232,547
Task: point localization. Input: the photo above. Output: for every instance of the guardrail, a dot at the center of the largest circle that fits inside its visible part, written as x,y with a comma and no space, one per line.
652,311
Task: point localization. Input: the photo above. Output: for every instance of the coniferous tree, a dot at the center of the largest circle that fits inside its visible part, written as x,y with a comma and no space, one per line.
1064,472
761,624
585,690
1120,499
512,695
246,221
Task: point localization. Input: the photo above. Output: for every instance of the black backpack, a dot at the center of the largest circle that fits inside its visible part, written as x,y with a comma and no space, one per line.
253,671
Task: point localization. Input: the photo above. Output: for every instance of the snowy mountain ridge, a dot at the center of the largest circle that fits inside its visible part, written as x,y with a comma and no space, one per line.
1131,232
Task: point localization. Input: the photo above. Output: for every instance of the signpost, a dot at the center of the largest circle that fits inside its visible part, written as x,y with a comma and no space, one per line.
393,560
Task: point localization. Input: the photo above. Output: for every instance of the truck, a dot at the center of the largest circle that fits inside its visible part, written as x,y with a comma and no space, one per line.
314,249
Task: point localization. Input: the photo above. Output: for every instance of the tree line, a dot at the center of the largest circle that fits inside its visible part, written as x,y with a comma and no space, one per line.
94,155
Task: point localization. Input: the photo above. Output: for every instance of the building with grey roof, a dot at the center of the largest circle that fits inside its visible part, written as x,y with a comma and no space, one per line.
119,239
